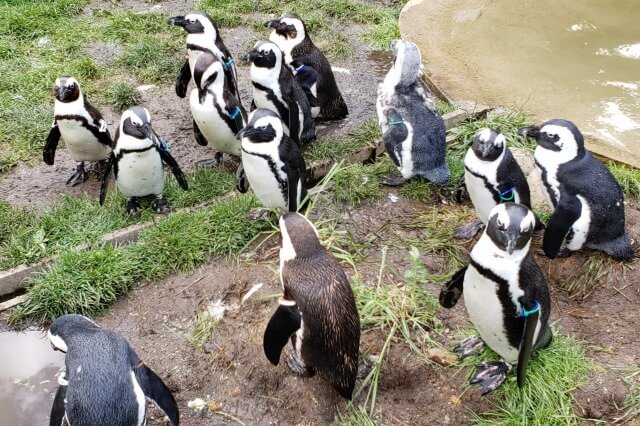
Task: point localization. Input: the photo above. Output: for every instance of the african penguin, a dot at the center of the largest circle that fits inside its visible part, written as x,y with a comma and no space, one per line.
137,162
310,67
217,114
505,294
414,134
318,310
81,126
105,382
275,88
272,162
203,36
587,200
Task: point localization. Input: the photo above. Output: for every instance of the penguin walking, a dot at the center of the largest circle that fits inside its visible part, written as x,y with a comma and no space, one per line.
587,200
505,294
81,126
273,163
275,88
318,310
414,133
105,382
137,162
309,65
217,114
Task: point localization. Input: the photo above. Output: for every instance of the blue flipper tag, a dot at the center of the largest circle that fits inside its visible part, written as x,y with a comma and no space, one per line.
164,146
300,68
507,195
535,309
228,62
234,113
395,122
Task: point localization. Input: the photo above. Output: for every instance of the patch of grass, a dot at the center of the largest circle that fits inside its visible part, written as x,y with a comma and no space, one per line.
632,402
628,178
153,59
354,183
123,95
204,325
335,149
335,46
380,35
444,107
123,27
204,185
354,416
590,274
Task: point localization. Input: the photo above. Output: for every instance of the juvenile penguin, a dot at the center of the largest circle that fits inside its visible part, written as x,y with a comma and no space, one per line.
217,114
272,162
105,382
275,88
137,162
505,294
203,36
414,134
318,310
587,200
310,67
81,126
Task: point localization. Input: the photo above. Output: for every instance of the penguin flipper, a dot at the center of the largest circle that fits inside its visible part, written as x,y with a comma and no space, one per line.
105,177
284,322
58,409
306,76
452,289
295,168
294,120
49,152
154,388
565,214
202,141
175,169
103,135
532,314
182,80
395,134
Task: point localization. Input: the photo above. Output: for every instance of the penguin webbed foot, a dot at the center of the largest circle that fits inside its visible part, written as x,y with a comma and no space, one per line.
161,206
490,375
133,207
460,193
393,180
562,253
211,162
297,367
79,176
468,347
469,230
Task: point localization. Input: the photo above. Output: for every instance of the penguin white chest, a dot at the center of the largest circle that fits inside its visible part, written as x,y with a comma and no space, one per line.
212,125
477,175
262,179
81,143
140,174
580,227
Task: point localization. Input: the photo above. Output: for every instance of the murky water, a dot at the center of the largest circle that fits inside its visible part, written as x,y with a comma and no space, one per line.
575,60
28,381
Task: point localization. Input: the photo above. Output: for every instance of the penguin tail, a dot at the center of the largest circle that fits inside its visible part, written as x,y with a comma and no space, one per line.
335,109
619,248
439,175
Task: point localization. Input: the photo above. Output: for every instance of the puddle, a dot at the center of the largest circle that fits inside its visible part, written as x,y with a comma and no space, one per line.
381,61
28,379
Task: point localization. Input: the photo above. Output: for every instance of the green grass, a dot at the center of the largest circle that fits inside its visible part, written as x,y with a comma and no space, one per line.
355,183
354,416
338,148
123,95
628,178
204,325
589,275
632,402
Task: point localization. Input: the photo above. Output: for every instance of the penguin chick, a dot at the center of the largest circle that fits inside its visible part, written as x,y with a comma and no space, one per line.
81,126
105,382
137,162
415,138
310,67
318,310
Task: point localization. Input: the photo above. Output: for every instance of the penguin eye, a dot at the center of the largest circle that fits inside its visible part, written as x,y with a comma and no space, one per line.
500,224
526,229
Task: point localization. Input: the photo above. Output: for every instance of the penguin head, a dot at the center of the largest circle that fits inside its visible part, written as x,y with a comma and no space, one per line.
136,122
510,227
208,71
265,54
264,126
67,89
488,144
298,237
407,62
290,27
66,328
196,23
561,137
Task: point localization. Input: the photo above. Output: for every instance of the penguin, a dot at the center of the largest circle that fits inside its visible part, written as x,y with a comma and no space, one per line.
273,163
587,200
105,382
137,162
310,67
203,36
505,294
318,311
275,88
217,114
413,132
81,126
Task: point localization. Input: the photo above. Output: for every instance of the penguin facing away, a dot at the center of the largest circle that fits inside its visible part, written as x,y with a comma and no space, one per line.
505,294
318,310
105,382
587,200
414,133
217,114
273,163
81,126
275,88
137,162
309,65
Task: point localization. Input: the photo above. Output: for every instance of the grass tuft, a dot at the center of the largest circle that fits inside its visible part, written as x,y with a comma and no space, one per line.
628,178
335,149
632,402
355,183
590,274
204,325
354,416
123,95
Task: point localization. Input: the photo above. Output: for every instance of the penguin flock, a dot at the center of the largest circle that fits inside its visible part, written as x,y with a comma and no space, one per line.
505,292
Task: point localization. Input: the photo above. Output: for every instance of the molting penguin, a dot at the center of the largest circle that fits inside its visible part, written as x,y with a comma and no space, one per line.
587,200
81,126
272,162
505,294
414,133
310,67
217,114
275,88
318,310
137,161
203,37
105,382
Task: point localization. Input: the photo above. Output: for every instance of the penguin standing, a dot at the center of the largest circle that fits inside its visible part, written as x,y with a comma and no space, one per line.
505,294
218,115
310,67
318,310
137,162
275,88
105,382
414,133
81,126
272,162
587,200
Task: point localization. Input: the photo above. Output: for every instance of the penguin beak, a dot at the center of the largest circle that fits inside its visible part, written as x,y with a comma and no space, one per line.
275,24
150,133
177,21
512,238
252,56
530,132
